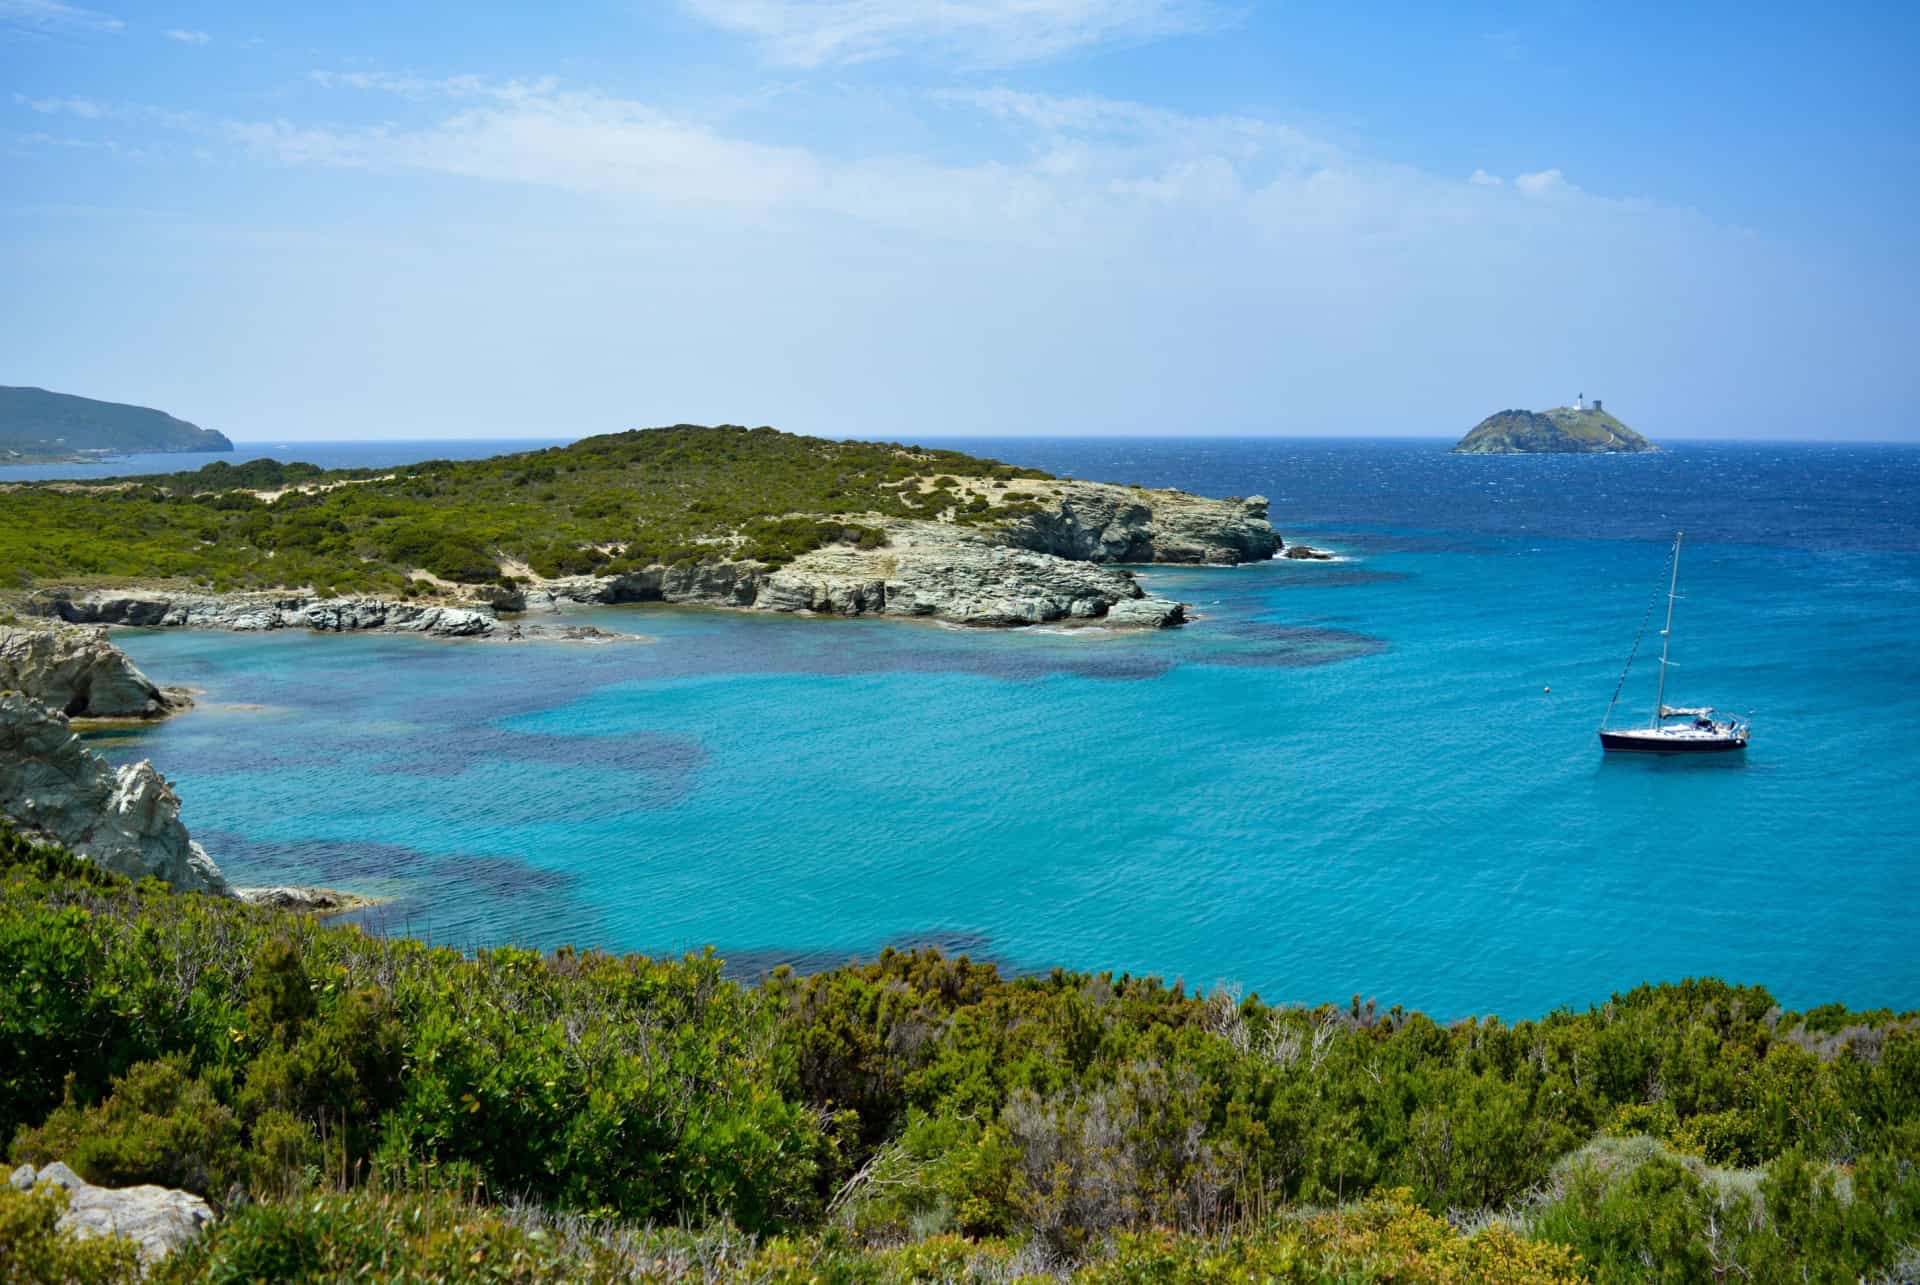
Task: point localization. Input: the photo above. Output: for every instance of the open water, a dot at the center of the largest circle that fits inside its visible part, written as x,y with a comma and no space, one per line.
1376,776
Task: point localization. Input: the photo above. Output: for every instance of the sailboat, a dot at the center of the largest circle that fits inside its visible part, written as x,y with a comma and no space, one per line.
1674,729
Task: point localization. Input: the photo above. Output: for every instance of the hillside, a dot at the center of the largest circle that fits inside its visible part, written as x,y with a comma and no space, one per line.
37,425
727,516
351,1102
1560,431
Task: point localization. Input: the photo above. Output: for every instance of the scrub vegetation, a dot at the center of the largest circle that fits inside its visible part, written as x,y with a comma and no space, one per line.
603,505
358,1105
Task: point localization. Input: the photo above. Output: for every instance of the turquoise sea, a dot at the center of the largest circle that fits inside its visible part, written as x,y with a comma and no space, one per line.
1375,776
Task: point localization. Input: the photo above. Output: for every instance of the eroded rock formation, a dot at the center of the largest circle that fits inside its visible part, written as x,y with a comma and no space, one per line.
126,819
80,673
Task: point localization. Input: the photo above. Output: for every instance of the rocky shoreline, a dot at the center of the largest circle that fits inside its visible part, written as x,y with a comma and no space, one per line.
1058,561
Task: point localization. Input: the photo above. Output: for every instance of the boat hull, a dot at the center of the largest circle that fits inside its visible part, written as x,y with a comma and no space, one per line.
1643,743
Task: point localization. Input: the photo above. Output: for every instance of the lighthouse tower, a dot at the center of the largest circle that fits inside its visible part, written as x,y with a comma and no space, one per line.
1580,402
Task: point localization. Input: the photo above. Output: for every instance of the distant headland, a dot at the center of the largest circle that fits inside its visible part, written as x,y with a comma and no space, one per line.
41,427
1583,428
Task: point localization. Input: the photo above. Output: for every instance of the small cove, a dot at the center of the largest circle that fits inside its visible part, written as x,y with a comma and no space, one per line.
1372,776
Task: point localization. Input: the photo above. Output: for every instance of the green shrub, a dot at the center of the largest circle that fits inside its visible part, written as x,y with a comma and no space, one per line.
673,494
919,1096
158,1125
33,1251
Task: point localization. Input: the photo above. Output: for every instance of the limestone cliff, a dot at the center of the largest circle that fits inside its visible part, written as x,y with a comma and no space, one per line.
126,819
80,673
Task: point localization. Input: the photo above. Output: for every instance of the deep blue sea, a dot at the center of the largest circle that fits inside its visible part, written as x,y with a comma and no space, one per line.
1375,776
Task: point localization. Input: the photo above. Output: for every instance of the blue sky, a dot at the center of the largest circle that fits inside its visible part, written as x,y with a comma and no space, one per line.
914,218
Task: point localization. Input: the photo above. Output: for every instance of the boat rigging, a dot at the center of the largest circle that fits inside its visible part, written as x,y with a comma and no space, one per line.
1673,729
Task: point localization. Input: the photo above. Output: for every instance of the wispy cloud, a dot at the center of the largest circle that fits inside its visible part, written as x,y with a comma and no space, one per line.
188,37
420,88
812,33
52,16
85,108
1480,178
1544,183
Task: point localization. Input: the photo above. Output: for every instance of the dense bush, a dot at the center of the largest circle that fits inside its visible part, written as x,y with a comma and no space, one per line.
146,1035
667,495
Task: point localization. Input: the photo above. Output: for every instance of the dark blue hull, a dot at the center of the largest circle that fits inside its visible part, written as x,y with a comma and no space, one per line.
1639,743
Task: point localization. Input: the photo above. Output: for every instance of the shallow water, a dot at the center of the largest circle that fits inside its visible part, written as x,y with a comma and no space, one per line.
1373,776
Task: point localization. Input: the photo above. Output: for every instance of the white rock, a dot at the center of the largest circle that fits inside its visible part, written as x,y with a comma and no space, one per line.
127,820
158,1220
78,672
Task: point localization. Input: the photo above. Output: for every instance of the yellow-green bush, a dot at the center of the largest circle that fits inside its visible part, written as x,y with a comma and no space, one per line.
33,1251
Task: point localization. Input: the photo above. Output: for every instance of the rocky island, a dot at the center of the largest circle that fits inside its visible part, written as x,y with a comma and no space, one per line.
42,427
1583,428
724,517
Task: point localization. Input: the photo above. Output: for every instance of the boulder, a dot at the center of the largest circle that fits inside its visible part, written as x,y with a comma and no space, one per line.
1148,613
1307,552
78,672
126,819
158,1220
314,901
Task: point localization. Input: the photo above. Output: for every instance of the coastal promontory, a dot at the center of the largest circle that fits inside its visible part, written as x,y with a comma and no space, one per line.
748,519
38,426
1584,428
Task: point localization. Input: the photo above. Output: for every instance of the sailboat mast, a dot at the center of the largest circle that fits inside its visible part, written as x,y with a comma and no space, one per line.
1666,634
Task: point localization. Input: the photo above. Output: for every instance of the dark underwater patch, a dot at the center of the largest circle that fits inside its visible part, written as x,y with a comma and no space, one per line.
1290,646
665,766
1337,577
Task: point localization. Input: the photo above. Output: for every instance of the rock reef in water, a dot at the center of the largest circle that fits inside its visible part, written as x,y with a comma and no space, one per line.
308,901
158,1220
80,673
126,820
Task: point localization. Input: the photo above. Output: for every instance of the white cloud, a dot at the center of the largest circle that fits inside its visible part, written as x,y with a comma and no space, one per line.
189,37
420,88
1480,178
85,108
1095,263
1544,183
812,33
51,15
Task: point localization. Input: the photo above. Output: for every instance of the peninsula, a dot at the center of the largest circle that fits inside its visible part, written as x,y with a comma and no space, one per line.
732,517
1583,428
41,427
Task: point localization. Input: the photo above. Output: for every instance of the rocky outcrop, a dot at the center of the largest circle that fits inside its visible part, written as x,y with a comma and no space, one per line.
126,820
310,901
80,673
932,570
257,611
1096,522
1306,552
158,1220
711,584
